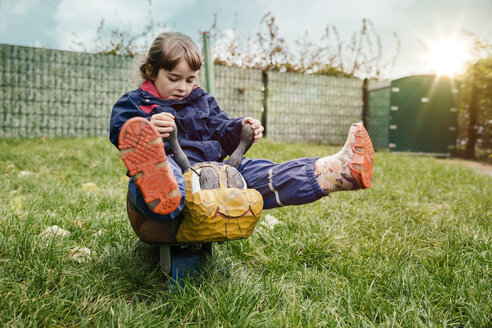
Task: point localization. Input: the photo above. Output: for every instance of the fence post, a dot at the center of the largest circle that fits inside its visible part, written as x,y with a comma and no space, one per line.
365,101
209,64
264,75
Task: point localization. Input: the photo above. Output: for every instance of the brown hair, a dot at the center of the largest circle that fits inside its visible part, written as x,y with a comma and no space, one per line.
166,52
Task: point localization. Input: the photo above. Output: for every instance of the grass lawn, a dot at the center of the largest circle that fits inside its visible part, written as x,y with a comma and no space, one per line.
413,251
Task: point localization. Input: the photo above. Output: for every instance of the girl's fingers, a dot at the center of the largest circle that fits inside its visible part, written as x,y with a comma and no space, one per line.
250,120
164,129
164,114
163,122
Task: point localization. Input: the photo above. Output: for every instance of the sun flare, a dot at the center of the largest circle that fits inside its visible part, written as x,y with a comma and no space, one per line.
447,56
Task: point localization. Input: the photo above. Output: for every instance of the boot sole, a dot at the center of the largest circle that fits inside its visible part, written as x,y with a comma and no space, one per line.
363,163
142,151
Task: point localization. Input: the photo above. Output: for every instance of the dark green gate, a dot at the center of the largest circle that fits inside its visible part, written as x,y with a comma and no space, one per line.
377,123
421,115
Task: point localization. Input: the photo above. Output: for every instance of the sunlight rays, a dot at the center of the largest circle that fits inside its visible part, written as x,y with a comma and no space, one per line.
446,56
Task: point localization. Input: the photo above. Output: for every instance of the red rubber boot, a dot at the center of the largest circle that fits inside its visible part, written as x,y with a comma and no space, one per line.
143,153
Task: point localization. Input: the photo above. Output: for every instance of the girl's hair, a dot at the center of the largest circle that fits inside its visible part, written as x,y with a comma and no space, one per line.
166,52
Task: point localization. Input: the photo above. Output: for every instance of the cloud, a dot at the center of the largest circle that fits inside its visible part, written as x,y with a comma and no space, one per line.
21,7
52,23
14,10
82,17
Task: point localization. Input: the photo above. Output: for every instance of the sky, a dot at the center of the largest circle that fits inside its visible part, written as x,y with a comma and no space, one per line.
419,24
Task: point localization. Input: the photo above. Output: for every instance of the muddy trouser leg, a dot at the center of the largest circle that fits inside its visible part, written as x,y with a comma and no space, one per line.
289,183
139,202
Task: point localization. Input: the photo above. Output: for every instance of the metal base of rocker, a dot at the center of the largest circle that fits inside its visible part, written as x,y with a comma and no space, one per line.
180,261
175,259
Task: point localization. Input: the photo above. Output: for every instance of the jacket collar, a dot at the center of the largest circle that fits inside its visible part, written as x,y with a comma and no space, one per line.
149,87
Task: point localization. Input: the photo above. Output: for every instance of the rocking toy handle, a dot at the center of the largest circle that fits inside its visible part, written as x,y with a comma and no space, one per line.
179,156
247,135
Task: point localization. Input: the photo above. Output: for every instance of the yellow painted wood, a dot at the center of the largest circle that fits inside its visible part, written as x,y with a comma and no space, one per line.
219,214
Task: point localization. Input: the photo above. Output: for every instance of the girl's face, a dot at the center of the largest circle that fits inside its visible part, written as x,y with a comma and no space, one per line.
177,83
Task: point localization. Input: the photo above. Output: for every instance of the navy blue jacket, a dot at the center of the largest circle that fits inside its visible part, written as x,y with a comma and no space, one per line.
204,131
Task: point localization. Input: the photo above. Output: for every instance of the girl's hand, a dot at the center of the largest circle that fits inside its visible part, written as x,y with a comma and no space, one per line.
256,126
164,123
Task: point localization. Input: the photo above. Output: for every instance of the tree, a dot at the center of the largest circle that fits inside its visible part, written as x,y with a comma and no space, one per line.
475,115
361,57
267,51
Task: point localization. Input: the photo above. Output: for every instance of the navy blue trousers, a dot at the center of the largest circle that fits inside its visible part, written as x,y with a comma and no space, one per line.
289,183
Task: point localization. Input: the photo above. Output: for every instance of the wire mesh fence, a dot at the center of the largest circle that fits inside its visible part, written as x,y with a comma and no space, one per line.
239,91
56,93
312,108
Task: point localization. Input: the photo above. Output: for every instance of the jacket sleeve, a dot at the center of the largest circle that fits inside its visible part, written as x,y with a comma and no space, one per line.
124,109
226,131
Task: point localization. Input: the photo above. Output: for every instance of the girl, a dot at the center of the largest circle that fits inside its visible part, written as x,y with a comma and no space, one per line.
170,99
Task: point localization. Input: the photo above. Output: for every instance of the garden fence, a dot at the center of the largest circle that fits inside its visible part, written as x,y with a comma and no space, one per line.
57,93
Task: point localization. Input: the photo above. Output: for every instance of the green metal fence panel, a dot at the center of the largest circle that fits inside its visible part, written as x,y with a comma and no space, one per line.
424,112
378,113
238,91
58,93
54,93
312,108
